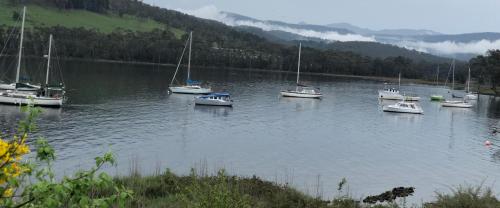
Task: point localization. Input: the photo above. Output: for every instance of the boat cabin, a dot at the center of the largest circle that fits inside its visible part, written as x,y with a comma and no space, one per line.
217,96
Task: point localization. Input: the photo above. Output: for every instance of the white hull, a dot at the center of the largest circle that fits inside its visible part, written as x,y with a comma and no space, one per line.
456,104
190,90
393,109
390,95
202,101
13,87
470,97
412,98
403,107
26,99
300,94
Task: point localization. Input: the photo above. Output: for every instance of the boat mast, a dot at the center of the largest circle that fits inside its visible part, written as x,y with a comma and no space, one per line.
437,76
298,64
453,76
468,82
48,61
189,59
20,47
399,81
179,64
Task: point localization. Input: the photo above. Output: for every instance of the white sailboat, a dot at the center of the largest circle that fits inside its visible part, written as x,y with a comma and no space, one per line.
191,86
455,103
17,85
437,97
47,96
301,91
470,95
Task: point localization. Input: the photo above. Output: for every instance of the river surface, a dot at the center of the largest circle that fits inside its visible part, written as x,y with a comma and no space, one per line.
126,109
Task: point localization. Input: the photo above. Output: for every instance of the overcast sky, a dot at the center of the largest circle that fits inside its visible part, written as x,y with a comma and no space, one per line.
447,16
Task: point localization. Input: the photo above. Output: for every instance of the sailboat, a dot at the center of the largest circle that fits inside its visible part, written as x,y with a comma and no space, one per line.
18,85
455,103
48,96
191,86
436,97
301,91
470,95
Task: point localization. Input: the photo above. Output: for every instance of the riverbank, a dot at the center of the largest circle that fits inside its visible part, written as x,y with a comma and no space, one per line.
222,190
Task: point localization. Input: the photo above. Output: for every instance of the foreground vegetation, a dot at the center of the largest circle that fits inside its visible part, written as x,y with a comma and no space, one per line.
221,190
31,183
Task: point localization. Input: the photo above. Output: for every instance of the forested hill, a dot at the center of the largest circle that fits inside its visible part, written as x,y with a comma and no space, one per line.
129,30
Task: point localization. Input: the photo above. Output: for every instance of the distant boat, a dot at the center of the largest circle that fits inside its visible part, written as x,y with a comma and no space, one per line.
403,107
470,95
391,93
455,103
301,91
436,97
214,99
18,85
191,86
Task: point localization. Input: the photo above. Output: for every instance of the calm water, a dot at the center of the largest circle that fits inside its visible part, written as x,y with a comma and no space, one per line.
126,109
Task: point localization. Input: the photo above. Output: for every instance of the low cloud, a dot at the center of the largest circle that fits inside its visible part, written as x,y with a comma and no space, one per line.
452,47
211,12
438,48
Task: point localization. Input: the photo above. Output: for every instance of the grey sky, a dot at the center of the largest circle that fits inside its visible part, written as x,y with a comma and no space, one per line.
447,16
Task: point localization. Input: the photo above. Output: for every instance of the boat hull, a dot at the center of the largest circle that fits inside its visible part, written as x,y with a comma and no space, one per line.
300,95
390,96
399,110
412,98
437,98
201,101
190,90
27,99
32,88
453,104
470,97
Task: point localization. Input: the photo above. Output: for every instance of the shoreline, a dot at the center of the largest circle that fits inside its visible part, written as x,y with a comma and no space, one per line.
481,90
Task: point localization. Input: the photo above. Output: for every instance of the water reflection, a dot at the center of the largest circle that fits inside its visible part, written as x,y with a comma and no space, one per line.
301,104
215,111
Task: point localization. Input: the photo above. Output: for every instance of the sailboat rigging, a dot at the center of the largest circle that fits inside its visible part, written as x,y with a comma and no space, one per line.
301,91
191,86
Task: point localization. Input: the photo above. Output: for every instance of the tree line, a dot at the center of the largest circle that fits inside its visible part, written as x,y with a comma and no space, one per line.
162,46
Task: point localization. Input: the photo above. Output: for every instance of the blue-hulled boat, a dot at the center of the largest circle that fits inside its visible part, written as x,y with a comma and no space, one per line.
215,99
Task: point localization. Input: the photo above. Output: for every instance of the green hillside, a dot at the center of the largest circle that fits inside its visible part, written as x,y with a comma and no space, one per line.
49,16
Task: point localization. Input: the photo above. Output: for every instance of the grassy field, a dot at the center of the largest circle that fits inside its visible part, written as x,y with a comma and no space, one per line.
106,23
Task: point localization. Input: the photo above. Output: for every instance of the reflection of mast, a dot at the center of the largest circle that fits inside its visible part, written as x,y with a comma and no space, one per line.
452,138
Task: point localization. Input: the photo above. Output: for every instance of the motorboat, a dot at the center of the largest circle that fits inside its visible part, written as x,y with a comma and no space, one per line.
390,94
191,86
214,99
301,91
403,107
